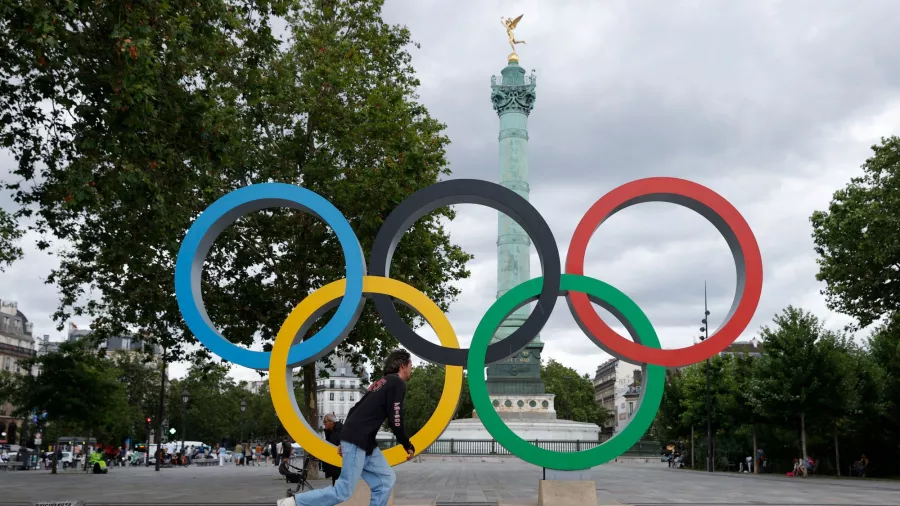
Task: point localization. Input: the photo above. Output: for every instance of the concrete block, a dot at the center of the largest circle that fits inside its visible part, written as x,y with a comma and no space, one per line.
567,493
362,495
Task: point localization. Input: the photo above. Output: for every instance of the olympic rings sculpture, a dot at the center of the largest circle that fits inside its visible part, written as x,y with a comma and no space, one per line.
580,292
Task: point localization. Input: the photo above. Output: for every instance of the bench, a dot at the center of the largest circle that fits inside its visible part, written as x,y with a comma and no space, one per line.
726,464
205,462
13,465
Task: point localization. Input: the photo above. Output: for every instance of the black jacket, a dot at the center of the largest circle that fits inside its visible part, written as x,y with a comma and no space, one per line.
384,400
333,436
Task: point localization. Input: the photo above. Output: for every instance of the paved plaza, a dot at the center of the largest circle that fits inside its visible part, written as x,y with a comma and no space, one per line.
509,481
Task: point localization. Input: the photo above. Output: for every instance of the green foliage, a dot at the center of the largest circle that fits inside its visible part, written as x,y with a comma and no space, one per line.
160,108
881,374
574,394
9,235
812,391
140,379
423,391
858,239
213,411
78,388
797,374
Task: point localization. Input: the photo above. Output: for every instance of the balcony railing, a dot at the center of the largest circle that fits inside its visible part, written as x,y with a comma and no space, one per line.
17,351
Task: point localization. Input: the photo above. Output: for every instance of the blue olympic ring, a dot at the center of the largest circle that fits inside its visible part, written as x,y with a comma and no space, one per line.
225,211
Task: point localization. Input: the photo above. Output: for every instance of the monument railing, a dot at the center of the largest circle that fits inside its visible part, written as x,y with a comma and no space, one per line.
488,447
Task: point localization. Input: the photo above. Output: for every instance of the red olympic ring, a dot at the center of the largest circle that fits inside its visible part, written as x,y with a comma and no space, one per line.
719,212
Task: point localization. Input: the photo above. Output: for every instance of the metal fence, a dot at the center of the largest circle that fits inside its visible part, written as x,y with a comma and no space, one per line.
487,447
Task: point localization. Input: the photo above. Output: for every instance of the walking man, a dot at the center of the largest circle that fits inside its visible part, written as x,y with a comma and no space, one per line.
333,436
358,448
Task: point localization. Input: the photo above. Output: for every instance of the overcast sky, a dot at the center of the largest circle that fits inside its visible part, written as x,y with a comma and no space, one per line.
772,104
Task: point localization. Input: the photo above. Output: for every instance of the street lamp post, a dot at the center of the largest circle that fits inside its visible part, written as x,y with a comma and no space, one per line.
703,337
185,397
243,408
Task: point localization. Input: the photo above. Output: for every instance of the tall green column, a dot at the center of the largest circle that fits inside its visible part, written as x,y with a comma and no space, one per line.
513,95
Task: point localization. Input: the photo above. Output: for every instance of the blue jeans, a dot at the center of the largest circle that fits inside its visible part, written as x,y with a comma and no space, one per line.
374,469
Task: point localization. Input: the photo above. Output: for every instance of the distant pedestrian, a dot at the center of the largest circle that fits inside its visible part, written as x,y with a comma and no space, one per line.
238,453
220,452
333,436
278,453
248,454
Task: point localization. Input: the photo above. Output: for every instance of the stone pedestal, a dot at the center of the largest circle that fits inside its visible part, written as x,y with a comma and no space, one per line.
567,493
530,430
537,407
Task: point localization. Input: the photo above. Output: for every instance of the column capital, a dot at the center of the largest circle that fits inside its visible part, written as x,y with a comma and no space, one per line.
513,91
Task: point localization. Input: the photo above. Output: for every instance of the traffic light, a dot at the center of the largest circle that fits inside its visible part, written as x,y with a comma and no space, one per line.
149,422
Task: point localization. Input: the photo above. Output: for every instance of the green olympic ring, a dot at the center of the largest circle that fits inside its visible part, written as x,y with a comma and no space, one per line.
627,312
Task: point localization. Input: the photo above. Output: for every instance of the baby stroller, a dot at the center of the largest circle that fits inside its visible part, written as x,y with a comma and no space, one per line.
294,474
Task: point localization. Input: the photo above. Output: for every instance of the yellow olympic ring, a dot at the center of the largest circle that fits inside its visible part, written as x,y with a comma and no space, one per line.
282,390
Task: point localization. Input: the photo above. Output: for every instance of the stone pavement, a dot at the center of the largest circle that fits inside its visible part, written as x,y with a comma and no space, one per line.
508,480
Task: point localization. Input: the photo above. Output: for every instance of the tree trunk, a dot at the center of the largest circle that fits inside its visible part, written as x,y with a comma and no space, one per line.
309,400
55,452
837,451
87,457
755,451
803,435
160,412
692,447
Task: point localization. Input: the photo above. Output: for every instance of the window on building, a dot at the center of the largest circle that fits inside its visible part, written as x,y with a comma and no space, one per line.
342,383
352,384
352,397
7,364
331,396
343,371
331,384
342,396
630,408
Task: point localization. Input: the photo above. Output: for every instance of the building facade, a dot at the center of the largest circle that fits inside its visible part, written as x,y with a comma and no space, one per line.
123,344
612,381
751,348
16,345
257,387
340,391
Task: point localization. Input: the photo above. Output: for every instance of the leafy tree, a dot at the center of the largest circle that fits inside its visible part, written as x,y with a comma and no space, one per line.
9,235
78,389
574,394
880,421
669,422
858,239
423,390
794,378
140,378
694,404
159,108
214,408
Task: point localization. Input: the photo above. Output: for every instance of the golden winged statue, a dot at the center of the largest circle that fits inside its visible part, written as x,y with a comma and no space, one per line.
510,25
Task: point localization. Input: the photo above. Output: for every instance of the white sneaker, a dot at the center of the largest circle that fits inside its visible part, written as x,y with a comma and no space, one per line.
287,501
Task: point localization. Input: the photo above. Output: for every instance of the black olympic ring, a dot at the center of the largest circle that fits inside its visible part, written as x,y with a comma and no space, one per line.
467,191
